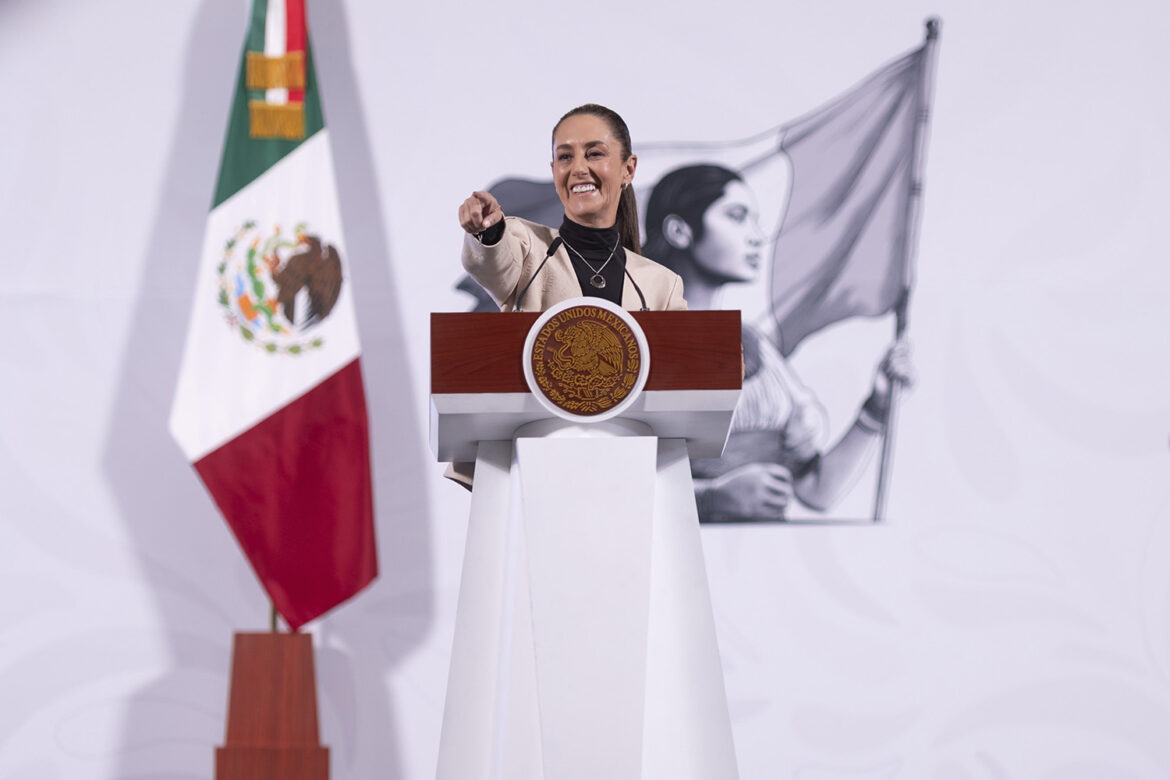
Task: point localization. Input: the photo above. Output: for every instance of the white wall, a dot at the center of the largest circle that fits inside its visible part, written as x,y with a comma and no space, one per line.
1011,620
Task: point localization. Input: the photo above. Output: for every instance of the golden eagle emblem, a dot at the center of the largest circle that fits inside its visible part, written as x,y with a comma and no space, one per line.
275,287
586,360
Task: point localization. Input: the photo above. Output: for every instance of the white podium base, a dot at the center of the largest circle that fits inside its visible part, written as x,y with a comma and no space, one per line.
584,640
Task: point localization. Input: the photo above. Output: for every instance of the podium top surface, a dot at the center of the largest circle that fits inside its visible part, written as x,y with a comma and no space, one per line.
480,352
478,390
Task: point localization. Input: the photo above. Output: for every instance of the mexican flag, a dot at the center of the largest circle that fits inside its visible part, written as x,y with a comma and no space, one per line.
270,407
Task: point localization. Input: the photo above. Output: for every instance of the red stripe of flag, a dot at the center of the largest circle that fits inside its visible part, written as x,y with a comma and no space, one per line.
296,491
294,38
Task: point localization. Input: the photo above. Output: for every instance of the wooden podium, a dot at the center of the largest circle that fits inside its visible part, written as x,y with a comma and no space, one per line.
584,642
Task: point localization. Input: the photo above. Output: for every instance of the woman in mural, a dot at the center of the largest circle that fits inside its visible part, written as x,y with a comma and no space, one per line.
598,248
703,223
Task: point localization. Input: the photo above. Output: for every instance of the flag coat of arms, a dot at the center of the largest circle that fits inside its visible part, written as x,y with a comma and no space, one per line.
270,406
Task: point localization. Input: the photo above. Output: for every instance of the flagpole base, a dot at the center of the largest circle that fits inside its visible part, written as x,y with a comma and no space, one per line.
272,712
283,763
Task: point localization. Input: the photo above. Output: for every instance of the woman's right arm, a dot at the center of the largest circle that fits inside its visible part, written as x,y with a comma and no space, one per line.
495,264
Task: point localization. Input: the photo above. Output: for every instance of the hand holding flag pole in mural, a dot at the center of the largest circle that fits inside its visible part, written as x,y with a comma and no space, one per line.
846,182
270,406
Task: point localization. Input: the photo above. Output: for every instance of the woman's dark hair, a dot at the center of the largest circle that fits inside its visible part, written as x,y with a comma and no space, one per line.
627,214
686,193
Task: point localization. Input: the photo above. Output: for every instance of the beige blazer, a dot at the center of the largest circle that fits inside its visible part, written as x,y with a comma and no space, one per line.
504,268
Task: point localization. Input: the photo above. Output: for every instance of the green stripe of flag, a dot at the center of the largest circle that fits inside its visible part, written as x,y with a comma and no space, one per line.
246,158
255,40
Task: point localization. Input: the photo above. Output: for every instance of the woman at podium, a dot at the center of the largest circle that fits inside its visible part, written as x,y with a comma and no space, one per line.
585,641
596,250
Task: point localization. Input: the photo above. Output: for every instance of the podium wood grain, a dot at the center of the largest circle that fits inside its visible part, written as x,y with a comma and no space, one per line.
272,728
480,353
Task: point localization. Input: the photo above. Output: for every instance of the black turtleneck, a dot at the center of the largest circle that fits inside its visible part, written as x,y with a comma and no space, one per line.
595,245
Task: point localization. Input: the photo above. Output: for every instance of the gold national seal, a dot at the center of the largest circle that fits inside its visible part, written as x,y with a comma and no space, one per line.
585,360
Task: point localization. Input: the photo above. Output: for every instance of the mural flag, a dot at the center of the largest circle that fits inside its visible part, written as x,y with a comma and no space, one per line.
270,406
843,248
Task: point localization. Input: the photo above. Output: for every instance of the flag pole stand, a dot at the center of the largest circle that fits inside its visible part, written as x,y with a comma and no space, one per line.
272,711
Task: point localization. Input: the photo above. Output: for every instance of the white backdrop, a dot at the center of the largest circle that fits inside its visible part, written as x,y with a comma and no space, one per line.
1011,620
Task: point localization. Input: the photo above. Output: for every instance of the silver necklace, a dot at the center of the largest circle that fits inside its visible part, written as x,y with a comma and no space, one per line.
597,280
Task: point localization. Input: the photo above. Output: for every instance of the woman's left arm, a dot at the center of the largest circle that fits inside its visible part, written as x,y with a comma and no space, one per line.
834,471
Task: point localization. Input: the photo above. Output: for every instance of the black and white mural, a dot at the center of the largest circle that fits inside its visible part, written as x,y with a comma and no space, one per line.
950,258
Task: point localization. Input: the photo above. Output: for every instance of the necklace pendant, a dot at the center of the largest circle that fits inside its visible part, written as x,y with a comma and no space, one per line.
597,280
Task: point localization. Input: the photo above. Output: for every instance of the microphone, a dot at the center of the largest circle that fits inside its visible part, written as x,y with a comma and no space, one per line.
637,289
552,250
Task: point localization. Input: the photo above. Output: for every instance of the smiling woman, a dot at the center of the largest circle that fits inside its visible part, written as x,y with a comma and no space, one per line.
595,251
592,168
